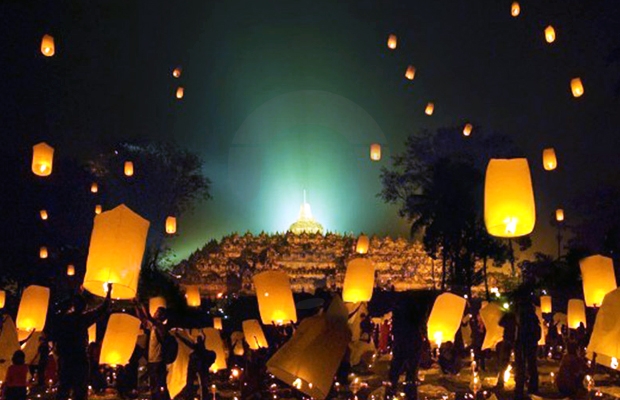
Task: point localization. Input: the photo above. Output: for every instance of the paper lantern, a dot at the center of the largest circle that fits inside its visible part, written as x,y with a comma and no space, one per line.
177,371
192,295
43,215
576,313
115,254
217,323
599,278
171,225
177,72
550,162
362,245
120,339
155,303
410,72
94,187
98,209
546,305
254,335
48,49
515,9
375,152
70,270
236,342
491,314
392,42
128,168
559,215
214,342
92,333
180,92
358,281
605,338
430,108
310,359
576,87
43,253
2,298
32,311
275,298
550,34
543,327
467,129
445,318
509,209
42,159
9,343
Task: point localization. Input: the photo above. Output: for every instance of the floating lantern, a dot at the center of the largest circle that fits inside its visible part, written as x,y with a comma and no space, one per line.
467,129
392,42
543,327
358,281
375,152
214,342
559,215
515,9
92,333
546,305
550,162
43,214
43,253
180,92
410,72
606,333
98,209
576,313
550,34
94,187
445,318
70,270
128,168
576,87
254,335
362,245
120,339
236,342
177,72
155,303
509,209
115,254
275,298
192,295
32,311
599,278
48,49
42,159
2,298
171,225
217,323
491,314
430,108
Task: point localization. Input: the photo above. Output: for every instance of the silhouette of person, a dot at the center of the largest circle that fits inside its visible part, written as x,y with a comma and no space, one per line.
526,345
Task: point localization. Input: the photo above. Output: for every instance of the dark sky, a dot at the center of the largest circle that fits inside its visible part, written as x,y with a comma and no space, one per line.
282,96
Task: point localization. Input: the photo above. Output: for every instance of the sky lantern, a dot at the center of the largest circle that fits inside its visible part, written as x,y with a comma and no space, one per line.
180,92
120,339
543,327
177,72
236,342
115,254
550,162
155,303
128,168
43,215
605,338
217,323
576,313
392,41
98,209
254,335
559,215
32,311
48,49
509,209
192,295
92,333
359,281
43,253
42,159
375,152
546,305
491,314
2,298
599,278
515,9
70,270
430,108
445,318
410,72
550,34
214,342
576,87
275,298
362,245
94,187
467,129
171,225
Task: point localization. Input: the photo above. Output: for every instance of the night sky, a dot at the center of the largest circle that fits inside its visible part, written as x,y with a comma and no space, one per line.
282,96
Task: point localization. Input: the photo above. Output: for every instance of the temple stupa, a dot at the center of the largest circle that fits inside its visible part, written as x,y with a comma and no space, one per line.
305,222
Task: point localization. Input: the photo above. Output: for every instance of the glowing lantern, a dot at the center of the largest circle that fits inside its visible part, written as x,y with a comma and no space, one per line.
392,41
358,281
217,323
128,168
550,162
214,342
543,327
180,92
605,339
275,298
467,129
2,298
430,108
155,303
70,270
491,314
98,209
509,209
120,339
43,214
599,278
192,295
171,225
94,187
576,313
445,318
363,243
48,49
43,253
32,311
576,87
115,254
177,72
42,159
546,305
254,335
550,34
559,215
92,333
410,73
9,343
375,152
515,9
236,342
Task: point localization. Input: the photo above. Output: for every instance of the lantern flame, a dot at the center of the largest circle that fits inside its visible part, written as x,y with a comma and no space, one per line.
511,225
614,363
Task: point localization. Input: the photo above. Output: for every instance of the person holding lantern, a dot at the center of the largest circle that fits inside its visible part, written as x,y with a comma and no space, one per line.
156,363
